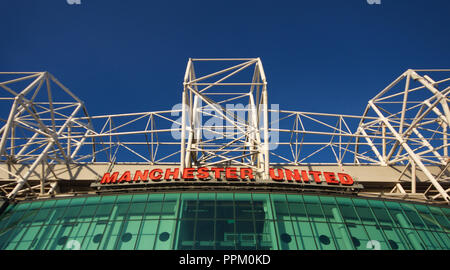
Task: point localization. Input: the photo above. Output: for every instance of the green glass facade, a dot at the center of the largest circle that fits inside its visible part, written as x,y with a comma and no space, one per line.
223,221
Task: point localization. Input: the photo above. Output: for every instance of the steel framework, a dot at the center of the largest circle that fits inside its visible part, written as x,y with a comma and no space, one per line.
224,119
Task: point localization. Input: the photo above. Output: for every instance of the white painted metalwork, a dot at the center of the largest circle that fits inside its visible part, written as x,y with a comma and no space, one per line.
46,124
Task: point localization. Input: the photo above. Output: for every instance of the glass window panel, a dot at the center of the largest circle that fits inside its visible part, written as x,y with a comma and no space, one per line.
205,209
108,199
186,234
189,196
153,209
87,213
224,209
136,210
42,238
322,233
204,234
413,238
313,208
341,236
304,235
262,202
396,212
189,209
149,226
242,197
125,199
428,240
155,197
93,200
347,210
381,213
165,234
364,212
207,196
330,209
280,207
61,202
265,235
395,238
412,215
376,235
104,211
140,198
226,237
146,242
110,235
169,209
121,212
128,236
243,210
440,218
77,201
443,239
94,236
286,236
358,235
427,217
59,237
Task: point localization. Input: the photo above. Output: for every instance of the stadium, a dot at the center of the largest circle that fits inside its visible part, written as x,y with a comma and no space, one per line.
224,169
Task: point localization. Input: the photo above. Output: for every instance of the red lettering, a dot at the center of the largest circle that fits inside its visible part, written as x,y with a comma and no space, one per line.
217,172
175,174
126,176
154,177
203,173
345,179
230,173
188,173
315,175
278,178
247,172
107,178
305,176
295,175
330,177
138,176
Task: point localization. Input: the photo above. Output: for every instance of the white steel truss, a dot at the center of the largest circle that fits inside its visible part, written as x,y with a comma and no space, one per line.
46,124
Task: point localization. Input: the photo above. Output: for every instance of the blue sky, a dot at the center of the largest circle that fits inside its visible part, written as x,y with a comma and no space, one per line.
130,56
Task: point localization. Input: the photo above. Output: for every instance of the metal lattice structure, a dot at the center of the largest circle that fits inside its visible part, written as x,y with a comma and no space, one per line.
224,119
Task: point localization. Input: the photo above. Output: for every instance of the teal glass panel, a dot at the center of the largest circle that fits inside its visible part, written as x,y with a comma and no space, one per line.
75,240
110,235
59,237
186,233
322,232
347,210
304,235
165,234
150,226
44,236
358,236
313,208
287,239
341,236
380,242
261,206
225,234
139,198
330,209
266,238
146,242
204,234
225,206
364,212
94,235
427,217
397,214
443,239
440,218
136,211
243,207
27,239
383,217
128,236
428,239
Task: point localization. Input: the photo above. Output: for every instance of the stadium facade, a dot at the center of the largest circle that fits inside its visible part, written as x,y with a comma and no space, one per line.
225,169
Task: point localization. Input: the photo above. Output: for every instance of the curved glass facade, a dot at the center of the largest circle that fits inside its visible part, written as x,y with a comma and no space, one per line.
223,221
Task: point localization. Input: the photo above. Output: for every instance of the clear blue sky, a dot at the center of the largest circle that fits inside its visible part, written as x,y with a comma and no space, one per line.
130,56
